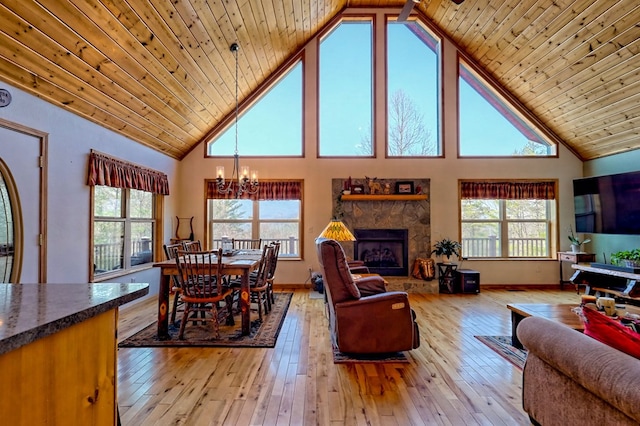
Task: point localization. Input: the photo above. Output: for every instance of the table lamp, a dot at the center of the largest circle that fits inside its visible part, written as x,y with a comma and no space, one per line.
336,230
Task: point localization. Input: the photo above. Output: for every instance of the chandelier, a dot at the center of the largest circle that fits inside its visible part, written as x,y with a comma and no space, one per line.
247,181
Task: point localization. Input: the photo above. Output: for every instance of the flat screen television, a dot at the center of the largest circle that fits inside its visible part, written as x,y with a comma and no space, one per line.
608,204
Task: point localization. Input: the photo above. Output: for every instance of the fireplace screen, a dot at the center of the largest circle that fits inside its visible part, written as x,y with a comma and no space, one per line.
384,251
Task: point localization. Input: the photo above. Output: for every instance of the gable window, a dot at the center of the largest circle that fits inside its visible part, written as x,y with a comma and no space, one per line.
272,126
346,91
273,214
514,219
489,126
125,200
412,108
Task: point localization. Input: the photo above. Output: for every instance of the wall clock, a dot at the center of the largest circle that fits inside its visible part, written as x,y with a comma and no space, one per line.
5,98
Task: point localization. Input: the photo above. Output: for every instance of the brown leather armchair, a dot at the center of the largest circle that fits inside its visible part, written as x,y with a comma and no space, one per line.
363,317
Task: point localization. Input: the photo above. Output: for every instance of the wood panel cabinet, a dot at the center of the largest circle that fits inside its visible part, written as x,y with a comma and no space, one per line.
58,352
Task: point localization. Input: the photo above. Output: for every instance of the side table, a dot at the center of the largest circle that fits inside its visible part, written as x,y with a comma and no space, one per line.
447,277
572,257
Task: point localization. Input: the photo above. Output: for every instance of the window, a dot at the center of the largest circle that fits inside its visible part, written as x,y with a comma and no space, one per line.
412,109
346,98
273,213
270,220
123,228
10,227
507,219
272,126
489,126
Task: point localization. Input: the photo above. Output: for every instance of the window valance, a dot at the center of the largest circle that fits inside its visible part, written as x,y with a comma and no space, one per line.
110,171
510,190
267,190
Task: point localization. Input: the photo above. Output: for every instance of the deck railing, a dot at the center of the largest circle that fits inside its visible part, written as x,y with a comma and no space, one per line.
289,247
108,256
517,247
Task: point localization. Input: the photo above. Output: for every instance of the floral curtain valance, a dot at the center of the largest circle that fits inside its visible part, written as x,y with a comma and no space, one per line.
267,190
110,171
539,190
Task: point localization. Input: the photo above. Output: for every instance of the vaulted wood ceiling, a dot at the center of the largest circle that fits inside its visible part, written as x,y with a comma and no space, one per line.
160,72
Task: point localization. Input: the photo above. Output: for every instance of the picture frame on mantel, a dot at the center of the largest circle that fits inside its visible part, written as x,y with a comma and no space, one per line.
404,187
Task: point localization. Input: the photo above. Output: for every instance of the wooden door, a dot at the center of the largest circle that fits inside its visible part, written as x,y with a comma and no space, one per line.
23,150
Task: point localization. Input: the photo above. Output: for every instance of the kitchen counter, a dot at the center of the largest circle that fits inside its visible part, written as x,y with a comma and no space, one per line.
58,351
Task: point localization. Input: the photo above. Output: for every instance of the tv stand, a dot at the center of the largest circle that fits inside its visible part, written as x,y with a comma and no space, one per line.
619,284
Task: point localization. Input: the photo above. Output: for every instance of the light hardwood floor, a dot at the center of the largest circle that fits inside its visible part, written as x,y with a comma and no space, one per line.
452,379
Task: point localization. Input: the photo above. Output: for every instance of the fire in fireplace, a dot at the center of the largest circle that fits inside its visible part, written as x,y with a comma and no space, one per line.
384,251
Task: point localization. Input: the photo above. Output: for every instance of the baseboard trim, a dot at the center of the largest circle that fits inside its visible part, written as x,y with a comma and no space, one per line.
525,287
567,287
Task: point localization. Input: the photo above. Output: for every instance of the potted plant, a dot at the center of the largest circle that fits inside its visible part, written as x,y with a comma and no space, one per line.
446,247
575,242
628,258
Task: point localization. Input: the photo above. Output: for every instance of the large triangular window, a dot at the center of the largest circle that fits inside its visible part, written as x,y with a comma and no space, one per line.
490,126
272,126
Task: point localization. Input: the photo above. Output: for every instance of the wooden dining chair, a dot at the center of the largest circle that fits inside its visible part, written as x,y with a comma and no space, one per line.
272,272
259,289
171,252
202,286
192,246
246,243
258,282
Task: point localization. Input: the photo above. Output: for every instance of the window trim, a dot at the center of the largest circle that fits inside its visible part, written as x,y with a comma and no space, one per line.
158,235
255,223
552,219
503,224
255,96
329,28
517,106
439,133
207,225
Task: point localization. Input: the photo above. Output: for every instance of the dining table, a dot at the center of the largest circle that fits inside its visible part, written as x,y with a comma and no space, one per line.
240,263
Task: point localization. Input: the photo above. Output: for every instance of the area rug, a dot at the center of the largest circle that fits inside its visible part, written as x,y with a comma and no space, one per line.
263,334
502,345
341,358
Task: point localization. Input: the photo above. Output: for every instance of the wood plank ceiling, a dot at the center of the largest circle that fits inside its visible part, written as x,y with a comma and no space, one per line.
161,72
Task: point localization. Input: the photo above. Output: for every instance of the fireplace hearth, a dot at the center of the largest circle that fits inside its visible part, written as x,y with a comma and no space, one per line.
383,251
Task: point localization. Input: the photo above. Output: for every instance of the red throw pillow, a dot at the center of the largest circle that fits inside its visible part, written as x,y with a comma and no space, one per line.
611,332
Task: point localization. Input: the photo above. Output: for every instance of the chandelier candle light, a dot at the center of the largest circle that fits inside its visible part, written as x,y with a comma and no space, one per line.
247,180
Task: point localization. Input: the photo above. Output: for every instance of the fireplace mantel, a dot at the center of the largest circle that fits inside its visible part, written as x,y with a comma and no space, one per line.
384,197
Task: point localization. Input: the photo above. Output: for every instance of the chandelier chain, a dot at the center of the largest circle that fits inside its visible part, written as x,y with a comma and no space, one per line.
246,183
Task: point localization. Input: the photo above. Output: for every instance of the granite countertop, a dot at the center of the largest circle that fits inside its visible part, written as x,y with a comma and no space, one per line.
29,312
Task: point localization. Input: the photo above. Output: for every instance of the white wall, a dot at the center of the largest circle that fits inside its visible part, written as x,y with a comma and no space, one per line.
70,140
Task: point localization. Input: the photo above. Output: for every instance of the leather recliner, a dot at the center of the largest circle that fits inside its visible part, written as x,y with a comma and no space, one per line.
364,318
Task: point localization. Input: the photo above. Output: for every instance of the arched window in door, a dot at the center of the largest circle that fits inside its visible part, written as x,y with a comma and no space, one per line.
10,228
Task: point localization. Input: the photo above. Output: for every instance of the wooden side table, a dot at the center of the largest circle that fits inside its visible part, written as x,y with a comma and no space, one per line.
446,277
571,257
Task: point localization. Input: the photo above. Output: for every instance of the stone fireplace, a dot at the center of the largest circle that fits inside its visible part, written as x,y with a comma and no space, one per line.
387,213
383,251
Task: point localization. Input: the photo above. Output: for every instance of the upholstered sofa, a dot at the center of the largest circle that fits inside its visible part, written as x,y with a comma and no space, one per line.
573,379
364,318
